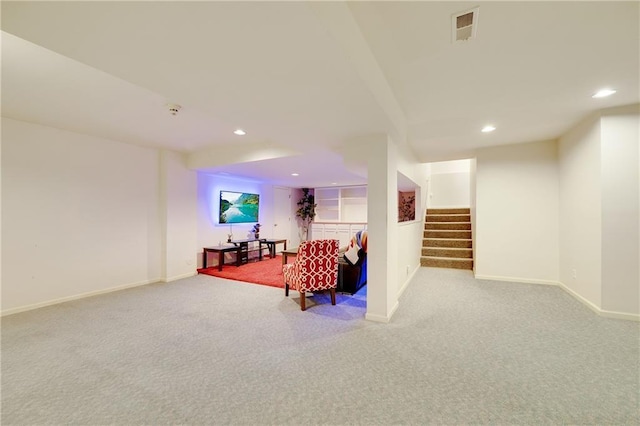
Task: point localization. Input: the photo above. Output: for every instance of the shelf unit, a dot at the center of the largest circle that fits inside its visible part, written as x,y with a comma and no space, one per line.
327,204
341,204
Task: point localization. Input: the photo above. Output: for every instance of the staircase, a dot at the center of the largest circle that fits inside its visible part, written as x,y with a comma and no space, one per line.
447,239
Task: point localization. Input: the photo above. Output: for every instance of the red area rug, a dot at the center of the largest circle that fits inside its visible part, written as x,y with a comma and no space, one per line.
266,272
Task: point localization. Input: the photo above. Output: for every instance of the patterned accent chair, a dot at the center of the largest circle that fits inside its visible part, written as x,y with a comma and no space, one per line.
315,268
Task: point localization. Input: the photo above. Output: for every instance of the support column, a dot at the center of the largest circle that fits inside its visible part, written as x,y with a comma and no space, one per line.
382,218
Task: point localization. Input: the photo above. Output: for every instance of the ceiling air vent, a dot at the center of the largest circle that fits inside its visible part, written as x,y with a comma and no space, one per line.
465,25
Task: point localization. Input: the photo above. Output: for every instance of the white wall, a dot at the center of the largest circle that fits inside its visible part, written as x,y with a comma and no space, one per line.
455,166
450,184
80,215
580,210
179,217
472,204
620,132
517,213
599,210
411,175
409,250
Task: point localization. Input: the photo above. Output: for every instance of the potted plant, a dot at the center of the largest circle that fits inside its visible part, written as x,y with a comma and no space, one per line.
306,211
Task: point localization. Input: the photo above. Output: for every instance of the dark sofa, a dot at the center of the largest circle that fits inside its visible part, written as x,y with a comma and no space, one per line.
351,278
352,271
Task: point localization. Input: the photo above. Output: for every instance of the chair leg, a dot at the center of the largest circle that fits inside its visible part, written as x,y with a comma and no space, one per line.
286,290
333,295
303,301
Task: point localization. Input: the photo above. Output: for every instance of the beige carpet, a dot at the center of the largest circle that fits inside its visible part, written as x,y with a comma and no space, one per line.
208,351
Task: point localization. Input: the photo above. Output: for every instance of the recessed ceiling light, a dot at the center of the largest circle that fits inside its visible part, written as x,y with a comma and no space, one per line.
487,129
334,183
240,132
295,174
603,93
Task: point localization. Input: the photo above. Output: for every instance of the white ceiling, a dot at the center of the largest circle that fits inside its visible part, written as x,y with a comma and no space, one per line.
311,76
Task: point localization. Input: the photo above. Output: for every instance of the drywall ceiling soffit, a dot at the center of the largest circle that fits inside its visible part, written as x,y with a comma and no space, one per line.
212,157
317,169
45,87
338,19
234,61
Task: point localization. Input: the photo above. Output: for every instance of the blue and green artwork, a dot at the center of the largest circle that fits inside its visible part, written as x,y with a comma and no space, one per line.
239,207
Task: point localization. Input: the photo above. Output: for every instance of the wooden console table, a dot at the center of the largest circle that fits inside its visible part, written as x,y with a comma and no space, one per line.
271,245
241,249
221,250
288,253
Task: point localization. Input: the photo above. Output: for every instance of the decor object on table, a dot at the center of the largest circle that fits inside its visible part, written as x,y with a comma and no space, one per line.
256,230
315,268
306,211
230,234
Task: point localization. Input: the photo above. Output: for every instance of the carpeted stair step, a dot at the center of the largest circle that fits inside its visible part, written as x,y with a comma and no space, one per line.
458,253
449,211
448,218
458,226
447,242
439,262
466,235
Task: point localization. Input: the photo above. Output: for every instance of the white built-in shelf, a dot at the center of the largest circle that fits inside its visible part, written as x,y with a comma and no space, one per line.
346,204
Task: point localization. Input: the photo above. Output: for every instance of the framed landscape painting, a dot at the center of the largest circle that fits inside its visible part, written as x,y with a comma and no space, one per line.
239,207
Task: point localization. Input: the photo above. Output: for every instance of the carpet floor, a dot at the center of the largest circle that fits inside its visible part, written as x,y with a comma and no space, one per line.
211,351
266,272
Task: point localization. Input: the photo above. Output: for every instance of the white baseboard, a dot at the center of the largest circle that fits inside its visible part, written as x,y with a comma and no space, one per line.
597,310
393,310
619,315
588,303
381,318
386,319
407,281
74,297
515,279
179,277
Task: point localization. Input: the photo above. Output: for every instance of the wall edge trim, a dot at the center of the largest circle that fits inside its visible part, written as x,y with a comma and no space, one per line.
518,280
38,305
179,277
381,318
407,282
603,313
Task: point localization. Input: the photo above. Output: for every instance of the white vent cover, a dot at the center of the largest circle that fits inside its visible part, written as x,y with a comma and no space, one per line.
173,108
464,25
